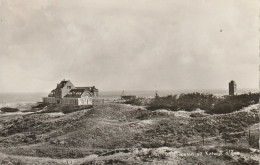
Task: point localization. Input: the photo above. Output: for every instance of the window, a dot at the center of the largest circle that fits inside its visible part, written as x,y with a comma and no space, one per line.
68,87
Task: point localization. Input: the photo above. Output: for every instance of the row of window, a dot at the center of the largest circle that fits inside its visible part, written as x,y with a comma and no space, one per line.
74,93
49,100
69,101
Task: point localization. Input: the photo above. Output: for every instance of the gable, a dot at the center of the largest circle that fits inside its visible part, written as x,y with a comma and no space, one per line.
77,93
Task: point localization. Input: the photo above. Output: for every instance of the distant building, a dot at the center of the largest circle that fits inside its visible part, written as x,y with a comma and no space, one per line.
67,94
127,97
232,88
156,95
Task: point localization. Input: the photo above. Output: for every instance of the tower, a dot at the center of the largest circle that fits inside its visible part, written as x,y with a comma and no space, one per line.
156,95
232,88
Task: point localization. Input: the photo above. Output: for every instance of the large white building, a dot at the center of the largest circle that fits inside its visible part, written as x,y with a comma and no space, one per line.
67,94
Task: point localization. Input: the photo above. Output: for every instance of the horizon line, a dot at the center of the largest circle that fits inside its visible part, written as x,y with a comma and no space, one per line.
158,90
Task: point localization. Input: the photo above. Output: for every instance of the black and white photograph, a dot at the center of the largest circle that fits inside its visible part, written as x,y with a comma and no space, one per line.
129,82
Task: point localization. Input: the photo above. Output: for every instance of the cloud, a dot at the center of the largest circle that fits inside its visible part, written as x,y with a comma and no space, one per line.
128,44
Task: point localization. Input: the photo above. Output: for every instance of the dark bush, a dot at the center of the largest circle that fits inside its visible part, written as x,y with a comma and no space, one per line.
220,108
142,115
51,108
40,105
208,102
234,103
237,148
188,102
254,141
196,115
152,145
72,108
8,109
135,101
251,162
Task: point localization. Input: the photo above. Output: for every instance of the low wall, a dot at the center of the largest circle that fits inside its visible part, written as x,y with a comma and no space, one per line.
85,101
97,102
50,100
69,101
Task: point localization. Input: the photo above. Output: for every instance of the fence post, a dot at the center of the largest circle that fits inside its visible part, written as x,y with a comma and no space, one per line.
219,127
203,135
249,137
224,136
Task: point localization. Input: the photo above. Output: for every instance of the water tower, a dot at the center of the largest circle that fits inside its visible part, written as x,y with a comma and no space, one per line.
232,88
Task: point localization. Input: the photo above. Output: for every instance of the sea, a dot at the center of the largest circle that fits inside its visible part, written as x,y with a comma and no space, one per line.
21,99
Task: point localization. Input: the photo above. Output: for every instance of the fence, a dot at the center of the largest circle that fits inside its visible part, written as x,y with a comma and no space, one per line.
250,137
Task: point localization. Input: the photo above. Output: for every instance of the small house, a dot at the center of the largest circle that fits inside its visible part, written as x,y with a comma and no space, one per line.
66,93
128,97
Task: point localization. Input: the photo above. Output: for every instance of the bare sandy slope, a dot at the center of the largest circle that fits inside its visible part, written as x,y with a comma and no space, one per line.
124,134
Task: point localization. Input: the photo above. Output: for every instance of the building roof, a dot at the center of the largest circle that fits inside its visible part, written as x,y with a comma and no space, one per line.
52,93
62,84
90,89
76,93
86,88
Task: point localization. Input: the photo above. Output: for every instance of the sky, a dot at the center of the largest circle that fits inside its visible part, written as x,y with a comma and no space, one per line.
128,44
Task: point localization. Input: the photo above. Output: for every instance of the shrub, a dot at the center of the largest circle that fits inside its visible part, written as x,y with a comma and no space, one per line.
237,148
142,115
196,115
254,141
135,101
40,105
8,109
11,160
221,108
251,162
72,108
51,108
234,103
208,102
188,102
155,144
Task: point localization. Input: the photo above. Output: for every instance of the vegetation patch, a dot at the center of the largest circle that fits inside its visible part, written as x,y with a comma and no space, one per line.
237,148
9,109
208,102
40,105
137,101
123,134
71,108
53,108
